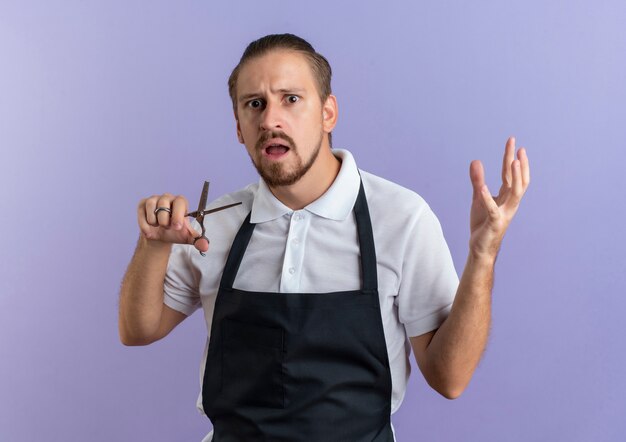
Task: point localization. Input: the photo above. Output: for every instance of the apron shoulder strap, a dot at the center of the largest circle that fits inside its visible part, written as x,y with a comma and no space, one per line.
240,244
366,242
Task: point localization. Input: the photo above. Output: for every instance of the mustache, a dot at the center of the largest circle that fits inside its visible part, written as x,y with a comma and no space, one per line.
274,134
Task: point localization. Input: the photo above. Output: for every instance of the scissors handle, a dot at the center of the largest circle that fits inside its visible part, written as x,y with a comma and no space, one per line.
202,236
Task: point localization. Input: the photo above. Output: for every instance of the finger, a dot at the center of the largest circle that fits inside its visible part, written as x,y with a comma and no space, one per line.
477,176
517,188
179,209
525,166
490,205
509,156
144,226
192,233
163,217
201,244
149,207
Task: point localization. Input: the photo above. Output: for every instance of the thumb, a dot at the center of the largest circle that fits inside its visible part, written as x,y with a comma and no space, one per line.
490,205
477,177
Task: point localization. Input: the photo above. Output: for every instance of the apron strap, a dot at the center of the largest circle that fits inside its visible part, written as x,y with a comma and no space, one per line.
240,244
366,242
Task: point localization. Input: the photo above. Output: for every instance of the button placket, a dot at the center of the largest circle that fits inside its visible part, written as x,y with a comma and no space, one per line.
294,253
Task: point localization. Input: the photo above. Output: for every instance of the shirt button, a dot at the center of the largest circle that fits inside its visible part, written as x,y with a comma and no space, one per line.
298,217
295,241
292,270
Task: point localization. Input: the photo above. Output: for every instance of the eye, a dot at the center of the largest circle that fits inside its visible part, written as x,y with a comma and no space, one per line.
292,98
255,104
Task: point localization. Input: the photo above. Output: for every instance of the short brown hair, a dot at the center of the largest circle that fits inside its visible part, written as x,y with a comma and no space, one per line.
318,63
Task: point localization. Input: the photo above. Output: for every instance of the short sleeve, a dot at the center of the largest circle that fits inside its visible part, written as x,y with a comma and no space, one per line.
181,281
429,280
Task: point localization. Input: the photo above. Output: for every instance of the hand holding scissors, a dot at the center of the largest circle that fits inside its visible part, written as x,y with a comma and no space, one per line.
200,213
162,218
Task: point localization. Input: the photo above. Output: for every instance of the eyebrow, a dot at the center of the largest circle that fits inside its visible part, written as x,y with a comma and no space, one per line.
292,90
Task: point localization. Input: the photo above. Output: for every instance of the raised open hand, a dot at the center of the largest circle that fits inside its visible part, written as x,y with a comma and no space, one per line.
490,216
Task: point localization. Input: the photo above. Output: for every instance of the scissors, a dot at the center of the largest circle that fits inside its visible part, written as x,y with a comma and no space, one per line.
200,213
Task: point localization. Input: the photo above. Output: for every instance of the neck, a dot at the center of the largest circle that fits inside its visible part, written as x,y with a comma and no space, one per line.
313,184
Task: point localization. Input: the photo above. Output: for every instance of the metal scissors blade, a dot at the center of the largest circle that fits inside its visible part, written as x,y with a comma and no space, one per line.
203,199
198,213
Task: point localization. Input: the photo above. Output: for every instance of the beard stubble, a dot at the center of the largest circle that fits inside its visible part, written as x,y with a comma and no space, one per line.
275,174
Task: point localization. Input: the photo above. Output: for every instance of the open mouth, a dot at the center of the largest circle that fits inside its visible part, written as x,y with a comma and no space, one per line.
275,150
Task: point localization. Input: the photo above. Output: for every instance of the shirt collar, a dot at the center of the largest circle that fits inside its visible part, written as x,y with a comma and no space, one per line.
336,203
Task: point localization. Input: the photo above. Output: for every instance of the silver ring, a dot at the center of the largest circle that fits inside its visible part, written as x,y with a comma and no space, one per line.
162,209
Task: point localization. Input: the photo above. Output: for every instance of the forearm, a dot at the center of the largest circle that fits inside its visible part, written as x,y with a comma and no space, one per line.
141,295
457,346
448,361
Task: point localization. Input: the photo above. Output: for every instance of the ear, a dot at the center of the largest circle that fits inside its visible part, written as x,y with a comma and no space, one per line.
239,135
329,114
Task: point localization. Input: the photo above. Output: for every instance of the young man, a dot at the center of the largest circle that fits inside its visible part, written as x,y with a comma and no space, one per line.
317,286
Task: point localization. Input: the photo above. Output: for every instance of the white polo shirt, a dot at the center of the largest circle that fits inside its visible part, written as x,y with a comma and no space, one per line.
316,250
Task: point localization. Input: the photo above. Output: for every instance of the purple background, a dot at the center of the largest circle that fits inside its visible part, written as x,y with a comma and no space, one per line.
103,103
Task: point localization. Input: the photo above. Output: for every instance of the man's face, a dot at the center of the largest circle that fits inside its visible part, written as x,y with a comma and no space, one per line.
280,117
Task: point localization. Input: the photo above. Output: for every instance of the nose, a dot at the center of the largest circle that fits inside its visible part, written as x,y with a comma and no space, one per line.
271,118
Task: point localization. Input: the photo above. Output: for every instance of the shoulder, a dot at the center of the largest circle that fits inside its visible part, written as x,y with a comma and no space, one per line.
385,197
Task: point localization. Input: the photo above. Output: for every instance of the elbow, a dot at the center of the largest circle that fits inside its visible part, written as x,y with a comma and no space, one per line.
451,394
135,342
134,333
447,383
449,390
130,340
